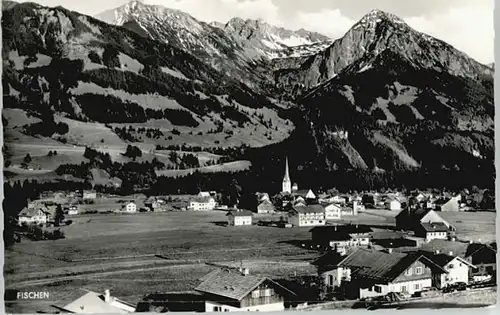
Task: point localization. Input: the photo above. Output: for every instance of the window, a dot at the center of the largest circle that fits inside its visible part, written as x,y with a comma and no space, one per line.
416,287
217,308
378,289
409,272
267,292
450,266
418,270
330,280
404,288
255,294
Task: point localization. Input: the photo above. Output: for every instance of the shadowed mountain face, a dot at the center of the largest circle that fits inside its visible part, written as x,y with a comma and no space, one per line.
382,98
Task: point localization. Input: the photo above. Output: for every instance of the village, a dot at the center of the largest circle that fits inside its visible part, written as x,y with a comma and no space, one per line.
415,250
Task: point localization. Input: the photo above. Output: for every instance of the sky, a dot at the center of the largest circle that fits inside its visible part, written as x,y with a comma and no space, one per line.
465,24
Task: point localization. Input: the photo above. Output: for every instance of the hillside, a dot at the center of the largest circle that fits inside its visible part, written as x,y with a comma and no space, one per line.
144,98
72,81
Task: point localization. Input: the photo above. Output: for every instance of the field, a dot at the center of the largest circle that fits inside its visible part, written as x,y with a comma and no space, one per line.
160,252
115,251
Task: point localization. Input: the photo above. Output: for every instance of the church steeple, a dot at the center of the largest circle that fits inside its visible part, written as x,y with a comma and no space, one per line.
287,183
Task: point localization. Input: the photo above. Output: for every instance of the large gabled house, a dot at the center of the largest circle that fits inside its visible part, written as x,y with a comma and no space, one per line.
228,290
36,215
458,269
313,215
424,223
202,204
369,273
266,207
482,256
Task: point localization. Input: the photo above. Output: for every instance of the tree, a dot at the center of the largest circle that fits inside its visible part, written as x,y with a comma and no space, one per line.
133,152
59,216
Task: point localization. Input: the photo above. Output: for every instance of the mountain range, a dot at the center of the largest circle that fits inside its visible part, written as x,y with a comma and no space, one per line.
382,98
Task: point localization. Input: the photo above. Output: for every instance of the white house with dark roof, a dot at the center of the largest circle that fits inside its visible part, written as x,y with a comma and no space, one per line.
202,204
97,303
229,290
313,215
38,215
458,269
239,217
369,273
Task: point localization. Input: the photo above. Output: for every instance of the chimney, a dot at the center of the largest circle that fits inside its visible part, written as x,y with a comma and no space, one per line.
245,272
437,251
450,253
107,296
389,250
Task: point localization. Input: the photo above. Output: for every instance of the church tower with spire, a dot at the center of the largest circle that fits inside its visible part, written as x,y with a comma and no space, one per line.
287,183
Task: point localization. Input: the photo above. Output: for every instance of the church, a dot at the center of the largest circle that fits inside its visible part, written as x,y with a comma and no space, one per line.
287,187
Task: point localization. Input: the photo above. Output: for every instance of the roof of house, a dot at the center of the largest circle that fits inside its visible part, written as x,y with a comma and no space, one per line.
240,213
442,259
266,203
31,212
381,266
416,214
302,192
229,284
434,227
445,246
308,209
93,303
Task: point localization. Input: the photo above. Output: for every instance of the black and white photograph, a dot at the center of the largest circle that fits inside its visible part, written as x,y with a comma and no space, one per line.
248,155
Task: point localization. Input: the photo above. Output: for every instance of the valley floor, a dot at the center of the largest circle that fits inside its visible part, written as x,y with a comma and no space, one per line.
138,254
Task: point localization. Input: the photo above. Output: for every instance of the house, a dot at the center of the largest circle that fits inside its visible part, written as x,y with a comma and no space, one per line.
448,204
369,273
341,237
96,303
393,204
89,195
202,204
307,216
430,231
305,194
239,217
411,219
130,207
457,267
482,256
204,194
39,215
229,290
266,206
332,212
